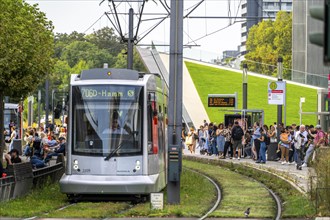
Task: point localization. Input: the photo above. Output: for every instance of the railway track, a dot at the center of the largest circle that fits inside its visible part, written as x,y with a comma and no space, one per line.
59,209
276,198
217,187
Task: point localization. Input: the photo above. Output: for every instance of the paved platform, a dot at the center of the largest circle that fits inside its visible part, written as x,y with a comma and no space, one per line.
298,178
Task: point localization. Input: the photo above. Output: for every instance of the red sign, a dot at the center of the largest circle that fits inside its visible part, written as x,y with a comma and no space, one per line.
277,91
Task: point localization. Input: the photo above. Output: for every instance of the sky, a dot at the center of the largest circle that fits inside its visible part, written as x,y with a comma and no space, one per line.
88,15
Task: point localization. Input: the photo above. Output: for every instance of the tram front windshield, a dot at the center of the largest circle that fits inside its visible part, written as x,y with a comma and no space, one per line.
107,118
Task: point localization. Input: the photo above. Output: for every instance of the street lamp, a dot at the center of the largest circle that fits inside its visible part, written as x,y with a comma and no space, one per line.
302,100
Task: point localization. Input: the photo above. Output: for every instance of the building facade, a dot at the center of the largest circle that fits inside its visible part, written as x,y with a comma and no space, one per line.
256,10
307,59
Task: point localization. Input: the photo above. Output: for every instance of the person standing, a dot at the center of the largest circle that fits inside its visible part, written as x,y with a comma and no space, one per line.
237,135
256,135
220,139
300,140
284,144
13,136
228,144
200,137
263,147
310,143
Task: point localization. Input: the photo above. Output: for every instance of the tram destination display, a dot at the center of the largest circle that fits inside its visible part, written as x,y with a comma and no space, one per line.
105,92
220,101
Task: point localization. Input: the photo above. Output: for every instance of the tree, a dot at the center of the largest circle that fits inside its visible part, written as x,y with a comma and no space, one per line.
121,61
105,38
63,39
82,50
269,40
26,45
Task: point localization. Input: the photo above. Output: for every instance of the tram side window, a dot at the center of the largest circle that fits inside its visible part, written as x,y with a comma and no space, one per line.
149,125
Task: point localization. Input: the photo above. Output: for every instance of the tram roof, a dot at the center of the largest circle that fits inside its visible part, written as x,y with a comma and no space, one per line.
109,74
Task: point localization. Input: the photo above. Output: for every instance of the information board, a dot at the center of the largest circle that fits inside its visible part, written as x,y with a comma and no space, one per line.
276,92
157,200
220,101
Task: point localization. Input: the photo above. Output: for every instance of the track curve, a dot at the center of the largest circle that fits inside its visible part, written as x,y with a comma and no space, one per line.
275,197
218,193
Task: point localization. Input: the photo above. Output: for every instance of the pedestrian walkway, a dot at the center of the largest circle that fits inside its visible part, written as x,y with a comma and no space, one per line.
297,178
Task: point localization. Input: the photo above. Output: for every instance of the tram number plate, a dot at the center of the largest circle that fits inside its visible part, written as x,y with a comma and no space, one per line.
157,200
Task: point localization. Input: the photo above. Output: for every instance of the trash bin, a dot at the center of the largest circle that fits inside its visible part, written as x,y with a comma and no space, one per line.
17,144
271,152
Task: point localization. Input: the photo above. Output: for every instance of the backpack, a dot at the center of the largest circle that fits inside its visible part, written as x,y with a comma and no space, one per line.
237,133
267,140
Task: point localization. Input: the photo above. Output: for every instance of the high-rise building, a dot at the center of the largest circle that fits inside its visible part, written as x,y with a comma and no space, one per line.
257,10
307,59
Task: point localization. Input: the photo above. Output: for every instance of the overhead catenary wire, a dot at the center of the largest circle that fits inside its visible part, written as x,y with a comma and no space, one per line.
93,23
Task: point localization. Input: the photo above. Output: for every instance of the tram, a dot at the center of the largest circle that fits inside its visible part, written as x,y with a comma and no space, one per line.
117,134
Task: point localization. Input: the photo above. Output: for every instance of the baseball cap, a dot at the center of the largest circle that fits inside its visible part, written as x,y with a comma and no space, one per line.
61,138
318,126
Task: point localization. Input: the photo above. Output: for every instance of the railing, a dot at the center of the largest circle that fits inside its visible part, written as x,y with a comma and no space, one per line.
7,185
22,178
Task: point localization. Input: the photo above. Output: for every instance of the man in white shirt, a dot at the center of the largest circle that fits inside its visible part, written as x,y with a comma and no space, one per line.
300,139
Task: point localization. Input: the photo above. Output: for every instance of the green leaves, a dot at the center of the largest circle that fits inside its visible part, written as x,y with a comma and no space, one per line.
269,40
26,47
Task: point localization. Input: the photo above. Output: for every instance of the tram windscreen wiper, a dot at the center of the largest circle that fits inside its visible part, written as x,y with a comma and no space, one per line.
113,152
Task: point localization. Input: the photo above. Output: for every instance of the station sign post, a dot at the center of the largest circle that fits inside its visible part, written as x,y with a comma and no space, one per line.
276,92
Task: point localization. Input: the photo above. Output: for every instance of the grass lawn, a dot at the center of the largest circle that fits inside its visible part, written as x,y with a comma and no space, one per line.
197,197
39,201
209,80
238,193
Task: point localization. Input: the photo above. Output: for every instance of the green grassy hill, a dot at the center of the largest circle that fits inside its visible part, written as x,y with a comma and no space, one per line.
209,80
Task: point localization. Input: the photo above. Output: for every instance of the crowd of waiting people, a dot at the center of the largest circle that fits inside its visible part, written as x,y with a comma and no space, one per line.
40,146
296,144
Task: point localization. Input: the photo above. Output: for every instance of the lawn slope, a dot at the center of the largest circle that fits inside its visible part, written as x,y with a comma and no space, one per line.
209,80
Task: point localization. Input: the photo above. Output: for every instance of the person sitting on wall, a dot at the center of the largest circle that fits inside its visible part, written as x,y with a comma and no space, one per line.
59,149
13,157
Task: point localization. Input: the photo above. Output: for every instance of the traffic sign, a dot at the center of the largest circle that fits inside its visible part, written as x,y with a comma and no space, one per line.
276,92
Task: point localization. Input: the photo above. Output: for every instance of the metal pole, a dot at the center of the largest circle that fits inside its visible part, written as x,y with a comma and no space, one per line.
29,111
279,107
39,99
130,40
300,111
47,101
245,86
175,102
53,96
63,105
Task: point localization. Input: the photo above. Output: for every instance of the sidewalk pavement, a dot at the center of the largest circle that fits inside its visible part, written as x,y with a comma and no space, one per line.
297,178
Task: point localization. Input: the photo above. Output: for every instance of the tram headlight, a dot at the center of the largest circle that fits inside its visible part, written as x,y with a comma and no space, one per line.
137,165
75,164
